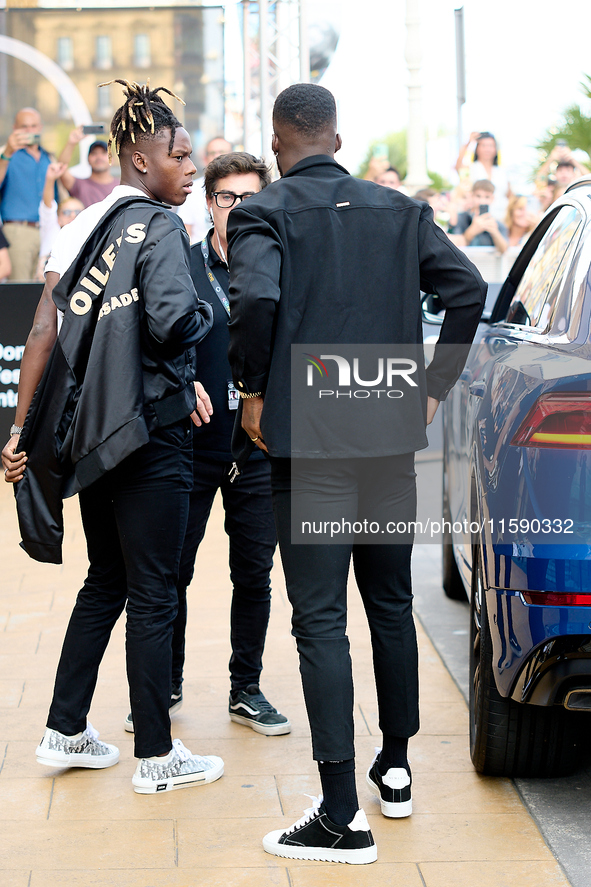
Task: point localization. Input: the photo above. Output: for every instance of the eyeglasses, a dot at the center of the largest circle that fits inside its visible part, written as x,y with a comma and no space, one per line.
70,212
227,199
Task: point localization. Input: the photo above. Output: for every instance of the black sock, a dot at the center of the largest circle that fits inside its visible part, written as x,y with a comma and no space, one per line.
394,754
339,790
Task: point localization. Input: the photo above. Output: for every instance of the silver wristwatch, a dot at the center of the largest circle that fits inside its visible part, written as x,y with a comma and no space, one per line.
15,430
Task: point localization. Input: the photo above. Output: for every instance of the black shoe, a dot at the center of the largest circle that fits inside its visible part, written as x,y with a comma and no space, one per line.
393,789
250,707
315,836
176,702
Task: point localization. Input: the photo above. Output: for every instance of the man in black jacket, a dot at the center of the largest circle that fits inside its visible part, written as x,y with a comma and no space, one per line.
121,373
323,265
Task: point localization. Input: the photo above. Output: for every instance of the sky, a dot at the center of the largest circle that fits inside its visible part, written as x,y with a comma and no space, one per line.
524,65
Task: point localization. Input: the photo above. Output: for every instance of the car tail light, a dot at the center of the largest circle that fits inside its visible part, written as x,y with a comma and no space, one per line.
556,599
558,420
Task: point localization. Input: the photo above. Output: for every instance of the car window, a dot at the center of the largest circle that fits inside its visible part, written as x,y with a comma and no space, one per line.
535,297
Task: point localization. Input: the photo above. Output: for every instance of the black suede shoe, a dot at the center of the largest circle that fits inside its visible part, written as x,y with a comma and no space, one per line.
249,707
315,836
393,789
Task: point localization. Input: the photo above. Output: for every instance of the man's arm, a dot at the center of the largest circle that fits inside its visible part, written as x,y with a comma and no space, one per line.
37,350
445,270
75,137
254,253
177,318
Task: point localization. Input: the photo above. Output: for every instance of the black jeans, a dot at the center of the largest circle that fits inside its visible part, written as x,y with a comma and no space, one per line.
134,520
316,577
249,524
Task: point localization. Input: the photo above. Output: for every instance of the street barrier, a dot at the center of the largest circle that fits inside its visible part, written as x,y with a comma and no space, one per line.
18,302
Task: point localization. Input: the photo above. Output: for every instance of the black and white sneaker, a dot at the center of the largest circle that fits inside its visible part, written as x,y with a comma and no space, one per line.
176,703
393,789
83,750
249,707
315,836
178,769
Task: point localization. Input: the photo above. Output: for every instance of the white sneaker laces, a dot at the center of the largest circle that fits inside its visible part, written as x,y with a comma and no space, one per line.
309,814
94,734
181,750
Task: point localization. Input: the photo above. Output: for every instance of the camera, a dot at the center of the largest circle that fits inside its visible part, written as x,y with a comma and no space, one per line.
33,138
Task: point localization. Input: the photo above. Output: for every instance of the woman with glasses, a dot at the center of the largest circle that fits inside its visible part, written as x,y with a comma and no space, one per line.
53,216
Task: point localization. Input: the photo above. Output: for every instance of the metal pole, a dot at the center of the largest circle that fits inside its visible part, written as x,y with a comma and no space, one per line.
246,72
264,76
460,70
416,176
304,43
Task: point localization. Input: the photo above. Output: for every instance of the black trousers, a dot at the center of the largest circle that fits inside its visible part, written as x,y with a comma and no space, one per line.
250,526
134,520
316,577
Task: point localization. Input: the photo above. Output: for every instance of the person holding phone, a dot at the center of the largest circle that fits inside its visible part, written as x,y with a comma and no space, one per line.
100,182
480,228
23,165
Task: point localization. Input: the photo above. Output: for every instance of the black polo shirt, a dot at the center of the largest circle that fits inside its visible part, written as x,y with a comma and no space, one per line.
213,370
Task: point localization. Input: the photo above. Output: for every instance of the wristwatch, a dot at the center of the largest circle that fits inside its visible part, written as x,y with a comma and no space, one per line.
15,430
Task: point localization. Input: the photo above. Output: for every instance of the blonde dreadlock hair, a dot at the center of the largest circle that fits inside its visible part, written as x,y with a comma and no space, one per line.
141,116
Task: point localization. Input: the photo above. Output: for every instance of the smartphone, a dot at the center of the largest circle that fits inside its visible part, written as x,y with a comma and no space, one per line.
34,138
93,129
380,150
482,209
562,143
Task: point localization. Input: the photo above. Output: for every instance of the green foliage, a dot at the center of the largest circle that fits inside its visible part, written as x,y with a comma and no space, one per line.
396,142
575,128
438,182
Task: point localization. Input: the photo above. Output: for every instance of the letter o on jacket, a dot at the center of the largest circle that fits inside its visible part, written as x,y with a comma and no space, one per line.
80,303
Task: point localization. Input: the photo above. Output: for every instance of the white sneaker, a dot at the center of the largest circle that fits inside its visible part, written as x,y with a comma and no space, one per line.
179,769
82,750
315,836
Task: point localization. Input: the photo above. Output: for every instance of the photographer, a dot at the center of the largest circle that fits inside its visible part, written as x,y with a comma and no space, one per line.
100,182
23,165
481,228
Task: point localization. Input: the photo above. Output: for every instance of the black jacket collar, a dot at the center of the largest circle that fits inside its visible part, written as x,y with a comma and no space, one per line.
316,162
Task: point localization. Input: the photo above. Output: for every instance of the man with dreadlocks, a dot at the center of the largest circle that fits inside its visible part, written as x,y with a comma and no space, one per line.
111,419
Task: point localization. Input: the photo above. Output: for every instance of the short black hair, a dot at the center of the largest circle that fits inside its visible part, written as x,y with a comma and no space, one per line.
142,116
236,162
306,107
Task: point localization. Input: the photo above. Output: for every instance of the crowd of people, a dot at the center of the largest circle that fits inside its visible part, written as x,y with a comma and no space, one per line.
39,193
483,209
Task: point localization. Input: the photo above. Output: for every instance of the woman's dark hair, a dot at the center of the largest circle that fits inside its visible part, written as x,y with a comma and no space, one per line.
142,116
487,135
236,162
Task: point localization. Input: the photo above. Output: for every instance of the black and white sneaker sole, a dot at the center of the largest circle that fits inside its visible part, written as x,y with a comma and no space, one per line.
145,786
361,856
265,729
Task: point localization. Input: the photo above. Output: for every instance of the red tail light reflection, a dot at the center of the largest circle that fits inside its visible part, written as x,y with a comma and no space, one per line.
556,599
559,420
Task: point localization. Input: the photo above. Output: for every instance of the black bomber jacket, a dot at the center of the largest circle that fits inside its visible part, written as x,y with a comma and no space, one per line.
322,257
121,365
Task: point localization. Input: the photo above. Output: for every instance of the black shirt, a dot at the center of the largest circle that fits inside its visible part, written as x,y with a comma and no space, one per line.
213,369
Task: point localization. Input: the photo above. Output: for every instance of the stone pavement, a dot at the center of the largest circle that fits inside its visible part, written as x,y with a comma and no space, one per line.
88,828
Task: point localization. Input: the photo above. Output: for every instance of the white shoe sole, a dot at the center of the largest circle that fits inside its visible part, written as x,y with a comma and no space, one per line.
265,729
128,723
391,809
144,786
363,856
50,758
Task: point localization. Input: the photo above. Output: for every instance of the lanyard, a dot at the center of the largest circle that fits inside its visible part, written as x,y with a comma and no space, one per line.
212,278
